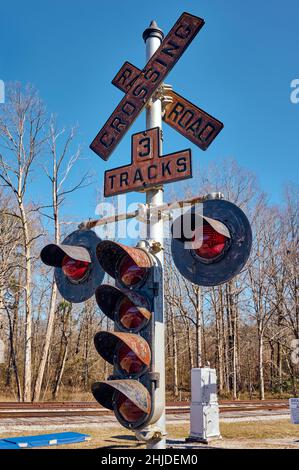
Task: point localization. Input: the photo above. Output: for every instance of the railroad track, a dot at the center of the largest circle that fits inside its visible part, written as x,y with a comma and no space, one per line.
64,409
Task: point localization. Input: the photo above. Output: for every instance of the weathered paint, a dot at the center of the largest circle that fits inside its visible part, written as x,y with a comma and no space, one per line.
165,169
148,168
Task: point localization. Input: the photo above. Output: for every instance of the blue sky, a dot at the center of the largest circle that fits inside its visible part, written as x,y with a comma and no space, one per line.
238,68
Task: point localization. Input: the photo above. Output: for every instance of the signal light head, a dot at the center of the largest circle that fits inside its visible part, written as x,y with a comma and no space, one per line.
225,248
128,266
129,310
129,353
129,399
77,270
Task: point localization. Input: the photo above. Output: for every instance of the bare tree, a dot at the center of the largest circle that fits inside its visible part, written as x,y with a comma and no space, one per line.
264,304
62,162
10,236
21,124
65,319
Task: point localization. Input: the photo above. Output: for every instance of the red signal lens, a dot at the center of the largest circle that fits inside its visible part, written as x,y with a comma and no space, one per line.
129,315
128,410
213,243
129,272
74,269
128,361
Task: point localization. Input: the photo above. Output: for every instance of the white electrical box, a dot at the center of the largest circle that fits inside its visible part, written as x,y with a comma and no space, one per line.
204,410
203,385
204,424
294,409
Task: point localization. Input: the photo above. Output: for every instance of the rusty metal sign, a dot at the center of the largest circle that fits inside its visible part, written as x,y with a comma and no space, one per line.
126,77
192,122
153,74
148,168
145,145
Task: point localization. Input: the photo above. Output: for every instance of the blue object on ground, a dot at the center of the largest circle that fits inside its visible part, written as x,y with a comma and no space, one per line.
7,445
43,440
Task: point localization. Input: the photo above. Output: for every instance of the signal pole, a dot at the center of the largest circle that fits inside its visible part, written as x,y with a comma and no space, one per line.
153,36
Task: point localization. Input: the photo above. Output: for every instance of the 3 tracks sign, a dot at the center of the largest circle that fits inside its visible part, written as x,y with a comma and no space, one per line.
148,167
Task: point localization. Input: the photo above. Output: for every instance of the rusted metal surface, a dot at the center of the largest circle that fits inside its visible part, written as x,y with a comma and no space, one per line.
126,77
189,120
144,175
80,244
155,71
147,168
134,390
106,343
109,297
145,145
109,254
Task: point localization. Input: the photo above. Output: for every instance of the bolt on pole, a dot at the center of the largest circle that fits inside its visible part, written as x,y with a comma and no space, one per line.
153,37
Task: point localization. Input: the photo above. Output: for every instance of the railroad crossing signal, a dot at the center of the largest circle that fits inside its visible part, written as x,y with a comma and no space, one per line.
151,77
134,304
220,245
77,270
148,167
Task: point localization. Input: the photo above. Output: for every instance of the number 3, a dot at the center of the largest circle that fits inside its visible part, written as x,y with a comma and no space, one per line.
146,143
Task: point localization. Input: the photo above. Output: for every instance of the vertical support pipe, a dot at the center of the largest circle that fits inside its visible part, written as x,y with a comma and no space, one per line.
153,37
